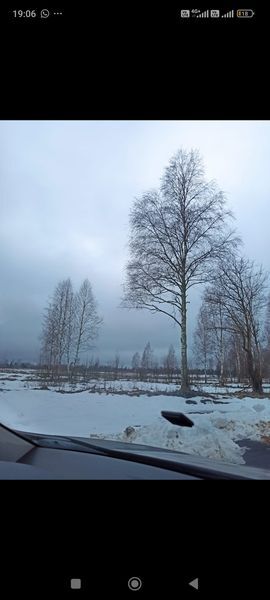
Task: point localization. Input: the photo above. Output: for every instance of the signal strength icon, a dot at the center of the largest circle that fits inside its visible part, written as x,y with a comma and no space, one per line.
228,15
204,14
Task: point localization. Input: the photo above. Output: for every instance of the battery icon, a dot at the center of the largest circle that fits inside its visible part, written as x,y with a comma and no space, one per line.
245,13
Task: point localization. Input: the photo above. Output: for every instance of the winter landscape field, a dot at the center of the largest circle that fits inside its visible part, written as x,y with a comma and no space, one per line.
133,282
130,410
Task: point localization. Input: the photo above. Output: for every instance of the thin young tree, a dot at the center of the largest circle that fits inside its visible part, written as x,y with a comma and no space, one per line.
136,361
170,362
267,324
116,364
203,338
87,321
48,338
177,235
236,359
68,330
116,361
217,324
62,305
147,357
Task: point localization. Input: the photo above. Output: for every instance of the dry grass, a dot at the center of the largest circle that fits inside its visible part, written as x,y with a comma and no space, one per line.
264,429
266,439
250,395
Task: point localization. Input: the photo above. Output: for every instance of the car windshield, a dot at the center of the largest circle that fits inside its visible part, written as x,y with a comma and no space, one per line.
134,281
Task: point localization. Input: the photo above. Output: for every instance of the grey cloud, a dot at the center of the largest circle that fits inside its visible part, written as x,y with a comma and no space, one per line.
66,192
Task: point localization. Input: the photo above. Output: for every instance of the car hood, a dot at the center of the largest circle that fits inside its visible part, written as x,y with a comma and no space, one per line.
182,462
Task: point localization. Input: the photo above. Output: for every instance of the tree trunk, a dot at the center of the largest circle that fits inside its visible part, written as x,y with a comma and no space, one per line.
184,366
254,374
238,366
205,369
222,354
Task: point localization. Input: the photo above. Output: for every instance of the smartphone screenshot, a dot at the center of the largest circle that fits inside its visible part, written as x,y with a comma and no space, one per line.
134,300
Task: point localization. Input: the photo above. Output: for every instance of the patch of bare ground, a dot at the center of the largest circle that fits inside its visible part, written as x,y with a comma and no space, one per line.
42,387
264,430
265,439
249,394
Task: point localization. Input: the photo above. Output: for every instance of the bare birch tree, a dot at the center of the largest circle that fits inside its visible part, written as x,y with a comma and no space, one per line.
266,351
240,287
217,326
87,320
177,235
136,361
147,358
203,338
70,324
68,328
57,325
236,358
170,362
267,324
48,338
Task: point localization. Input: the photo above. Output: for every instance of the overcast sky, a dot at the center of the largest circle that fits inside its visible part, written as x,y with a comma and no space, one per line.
66,191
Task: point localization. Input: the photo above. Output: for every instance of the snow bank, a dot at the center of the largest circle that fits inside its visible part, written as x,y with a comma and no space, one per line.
217,426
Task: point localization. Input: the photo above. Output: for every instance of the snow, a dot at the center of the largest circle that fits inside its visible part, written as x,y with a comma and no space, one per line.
217,426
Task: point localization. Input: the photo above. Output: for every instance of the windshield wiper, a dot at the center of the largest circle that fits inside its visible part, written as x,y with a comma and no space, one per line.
199,471
156,457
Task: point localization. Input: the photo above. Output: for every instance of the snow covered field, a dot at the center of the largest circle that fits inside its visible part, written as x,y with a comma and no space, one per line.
219,423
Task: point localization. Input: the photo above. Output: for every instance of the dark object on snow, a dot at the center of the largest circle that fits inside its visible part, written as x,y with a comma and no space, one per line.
177,418
129,430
